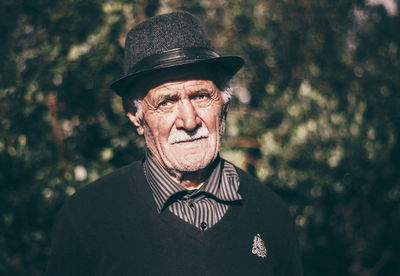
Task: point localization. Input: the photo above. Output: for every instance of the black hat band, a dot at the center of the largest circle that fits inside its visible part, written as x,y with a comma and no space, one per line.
173,57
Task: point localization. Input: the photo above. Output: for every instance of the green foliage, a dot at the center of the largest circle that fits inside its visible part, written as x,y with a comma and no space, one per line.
314,118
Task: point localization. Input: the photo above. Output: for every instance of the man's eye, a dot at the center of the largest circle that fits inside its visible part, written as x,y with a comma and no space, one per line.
164,103
201,96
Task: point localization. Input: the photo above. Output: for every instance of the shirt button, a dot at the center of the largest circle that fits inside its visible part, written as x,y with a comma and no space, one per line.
203,225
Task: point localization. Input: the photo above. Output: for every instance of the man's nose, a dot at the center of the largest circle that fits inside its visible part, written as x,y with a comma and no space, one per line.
188,118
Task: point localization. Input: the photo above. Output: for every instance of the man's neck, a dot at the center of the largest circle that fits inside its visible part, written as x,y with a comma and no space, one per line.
190,180
194,180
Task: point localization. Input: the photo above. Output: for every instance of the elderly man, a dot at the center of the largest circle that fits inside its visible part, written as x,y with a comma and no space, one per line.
182,209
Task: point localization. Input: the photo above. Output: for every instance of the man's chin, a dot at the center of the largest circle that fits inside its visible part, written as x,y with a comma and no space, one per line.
189,167
192,164
190,157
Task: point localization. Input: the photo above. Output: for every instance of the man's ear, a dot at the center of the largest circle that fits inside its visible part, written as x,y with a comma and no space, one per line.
225,108
134,118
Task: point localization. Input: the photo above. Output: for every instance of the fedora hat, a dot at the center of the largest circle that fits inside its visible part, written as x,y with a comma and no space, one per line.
168,41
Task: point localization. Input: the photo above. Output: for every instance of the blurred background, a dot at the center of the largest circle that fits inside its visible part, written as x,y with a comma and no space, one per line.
315,117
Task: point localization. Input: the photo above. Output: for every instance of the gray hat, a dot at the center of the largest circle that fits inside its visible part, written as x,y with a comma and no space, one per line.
166,41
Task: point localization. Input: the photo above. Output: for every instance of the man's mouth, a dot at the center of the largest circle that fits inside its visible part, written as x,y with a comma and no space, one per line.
184,137
189,140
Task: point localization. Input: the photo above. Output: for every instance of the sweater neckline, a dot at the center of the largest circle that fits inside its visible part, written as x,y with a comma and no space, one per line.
225,225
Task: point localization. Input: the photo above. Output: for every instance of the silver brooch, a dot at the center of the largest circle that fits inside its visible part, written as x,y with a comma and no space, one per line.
259,247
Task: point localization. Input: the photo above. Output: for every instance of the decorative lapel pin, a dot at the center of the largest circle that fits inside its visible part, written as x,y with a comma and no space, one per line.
259,247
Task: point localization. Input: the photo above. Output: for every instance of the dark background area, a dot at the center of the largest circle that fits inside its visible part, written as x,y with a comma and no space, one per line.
315,117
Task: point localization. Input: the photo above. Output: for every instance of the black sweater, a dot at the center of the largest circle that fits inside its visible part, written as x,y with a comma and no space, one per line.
111,227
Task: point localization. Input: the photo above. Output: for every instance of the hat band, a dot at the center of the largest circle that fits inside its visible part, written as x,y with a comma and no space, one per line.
177,56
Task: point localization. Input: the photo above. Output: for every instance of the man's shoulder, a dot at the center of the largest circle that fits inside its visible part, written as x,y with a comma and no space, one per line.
108,187
259,195
115,178
250,184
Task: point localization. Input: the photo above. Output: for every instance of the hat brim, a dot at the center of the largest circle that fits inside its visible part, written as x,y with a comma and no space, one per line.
230,64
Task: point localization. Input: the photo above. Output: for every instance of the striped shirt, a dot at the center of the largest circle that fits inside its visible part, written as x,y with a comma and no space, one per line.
203,207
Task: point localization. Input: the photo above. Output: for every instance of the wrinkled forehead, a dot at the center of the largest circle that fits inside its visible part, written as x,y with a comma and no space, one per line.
178,74
176,87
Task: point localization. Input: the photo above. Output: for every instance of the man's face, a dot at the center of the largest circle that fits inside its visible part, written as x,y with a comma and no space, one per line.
182,124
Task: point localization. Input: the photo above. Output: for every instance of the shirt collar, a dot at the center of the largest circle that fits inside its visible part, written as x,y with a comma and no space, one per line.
161,184
223,182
